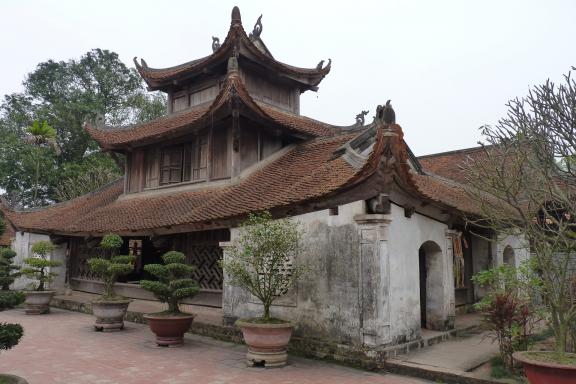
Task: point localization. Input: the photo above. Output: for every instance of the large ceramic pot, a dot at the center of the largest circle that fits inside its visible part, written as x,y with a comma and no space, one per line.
546,372
109,314
169,329
267,343
38,302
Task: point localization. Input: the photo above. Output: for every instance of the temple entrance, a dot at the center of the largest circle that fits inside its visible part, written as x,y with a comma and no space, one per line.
431,285
202,250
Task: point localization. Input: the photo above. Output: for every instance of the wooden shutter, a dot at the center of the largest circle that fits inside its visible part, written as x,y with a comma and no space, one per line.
220,155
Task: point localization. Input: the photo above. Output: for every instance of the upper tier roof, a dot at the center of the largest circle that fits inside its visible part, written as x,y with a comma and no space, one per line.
315,174
237,43
233,92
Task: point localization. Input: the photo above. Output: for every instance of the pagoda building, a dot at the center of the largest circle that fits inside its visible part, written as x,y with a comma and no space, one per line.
382,232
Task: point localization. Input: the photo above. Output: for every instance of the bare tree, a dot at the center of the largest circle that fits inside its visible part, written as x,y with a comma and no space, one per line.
524,183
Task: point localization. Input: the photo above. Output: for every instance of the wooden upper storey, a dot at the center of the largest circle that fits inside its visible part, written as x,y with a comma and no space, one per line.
268,80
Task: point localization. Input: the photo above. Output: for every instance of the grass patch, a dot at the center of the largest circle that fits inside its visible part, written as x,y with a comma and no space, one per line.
541,336
499,370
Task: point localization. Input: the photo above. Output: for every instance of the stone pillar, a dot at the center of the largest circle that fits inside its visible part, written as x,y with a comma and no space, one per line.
449,286
228,293
374,278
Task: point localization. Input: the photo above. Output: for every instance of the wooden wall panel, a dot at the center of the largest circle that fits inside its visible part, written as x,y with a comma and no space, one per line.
136,177
248,147
221,160
269,145
152,167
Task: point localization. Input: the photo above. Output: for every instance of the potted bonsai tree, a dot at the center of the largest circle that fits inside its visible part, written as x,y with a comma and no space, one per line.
261,261
174,284
10,335
110,308
39,269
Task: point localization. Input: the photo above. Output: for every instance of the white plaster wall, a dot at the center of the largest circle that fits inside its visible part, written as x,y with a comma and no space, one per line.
22,244
406,235
518,244
325,304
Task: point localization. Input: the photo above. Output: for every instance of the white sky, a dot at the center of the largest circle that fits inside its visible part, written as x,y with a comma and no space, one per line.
448,66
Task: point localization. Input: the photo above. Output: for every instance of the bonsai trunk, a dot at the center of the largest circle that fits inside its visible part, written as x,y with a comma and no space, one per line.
173,306
41,280
266,316
109,290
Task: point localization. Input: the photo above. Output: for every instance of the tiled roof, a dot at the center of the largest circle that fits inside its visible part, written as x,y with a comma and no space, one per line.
306,172
446,192
449,164
237,42
181,122
310,171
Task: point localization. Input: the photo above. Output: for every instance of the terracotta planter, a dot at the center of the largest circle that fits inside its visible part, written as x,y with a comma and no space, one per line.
544,372
38,302
169,329
267,343
109,314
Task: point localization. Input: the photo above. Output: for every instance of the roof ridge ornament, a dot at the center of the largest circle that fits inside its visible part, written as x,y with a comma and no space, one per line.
321,64
142,64
257,29
360,118
215,43
385,114
236,18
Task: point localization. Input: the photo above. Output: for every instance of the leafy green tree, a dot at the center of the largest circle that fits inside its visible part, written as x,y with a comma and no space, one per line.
40,136
261,260
66,94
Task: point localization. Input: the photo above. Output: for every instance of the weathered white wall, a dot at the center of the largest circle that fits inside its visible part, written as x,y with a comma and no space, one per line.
325,303
407,235
363,286
22,244
517,243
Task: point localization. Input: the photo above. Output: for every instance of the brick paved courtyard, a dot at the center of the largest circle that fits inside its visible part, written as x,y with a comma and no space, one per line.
63,348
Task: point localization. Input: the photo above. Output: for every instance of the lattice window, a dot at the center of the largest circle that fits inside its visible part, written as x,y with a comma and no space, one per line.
205,258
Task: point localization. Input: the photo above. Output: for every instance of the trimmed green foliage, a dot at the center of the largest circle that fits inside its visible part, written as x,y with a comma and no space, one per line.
39,265
10,335
111,242
262,259
110,268
8,271
174,280
11,299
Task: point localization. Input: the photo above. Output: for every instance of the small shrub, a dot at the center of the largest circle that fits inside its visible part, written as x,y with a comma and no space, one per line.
509,313
174,280
39,264
10,335
8,271
11,299
111,242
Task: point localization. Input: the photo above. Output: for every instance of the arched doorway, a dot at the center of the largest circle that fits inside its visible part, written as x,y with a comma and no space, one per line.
431,285
508,256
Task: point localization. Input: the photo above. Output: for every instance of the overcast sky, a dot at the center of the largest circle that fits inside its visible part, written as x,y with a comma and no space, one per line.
448,66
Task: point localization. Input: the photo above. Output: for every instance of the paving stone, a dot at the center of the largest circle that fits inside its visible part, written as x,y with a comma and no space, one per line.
62,347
